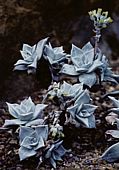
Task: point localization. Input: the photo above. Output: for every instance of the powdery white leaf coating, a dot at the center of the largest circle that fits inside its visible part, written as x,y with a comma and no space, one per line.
66,91
54,55
55,152
31,140
82,111
85,66
31,55
25,112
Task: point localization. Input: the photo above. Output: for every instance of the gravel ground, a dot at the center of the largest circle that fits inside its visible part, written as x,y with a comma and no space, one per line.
86,145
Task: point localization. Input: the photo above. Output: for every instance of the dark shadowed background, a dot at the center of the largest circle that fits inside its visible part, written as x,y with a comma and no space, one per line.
64,21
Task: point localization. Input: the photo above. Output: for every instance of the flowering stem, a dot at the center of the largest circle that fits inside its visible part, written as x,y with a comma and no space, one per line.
97,37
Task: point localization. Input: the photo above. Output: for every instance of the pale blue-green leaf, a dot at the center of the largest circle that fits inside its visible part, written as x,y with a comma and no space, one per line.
61,151
115,110
90,108
26,153
13,109
40,47
22,62
112,153
40,144
75,52
27,48
87,47
20,67
27,142
13,122
24,131
89,57
53,163
83,98
42,131
56,156
35,122
110,79
38,110
115,101
72,110
88,79
69,70
96,64
83,121
26,116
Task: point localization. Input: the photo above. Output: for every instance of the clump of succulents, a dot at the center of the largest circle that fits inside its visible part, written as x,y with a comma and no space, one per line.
41,133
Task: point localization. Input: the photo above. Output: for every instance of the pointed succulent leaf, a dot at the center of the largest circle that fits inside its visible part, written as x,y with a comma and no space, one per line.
87,47
13,122
38,109
24,131
115,101
55,152
42,130
88,79
35,122
26,153
112,153
13,109
31,55
83,98
54,55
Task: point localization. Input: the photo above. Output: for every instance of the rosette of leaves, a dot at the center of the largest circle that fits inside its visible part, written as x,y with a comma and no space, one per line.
65,91
32,139
106,73
88,69
112,153
25,113
100,19
31,55
56,58
82,111
55,152
83,64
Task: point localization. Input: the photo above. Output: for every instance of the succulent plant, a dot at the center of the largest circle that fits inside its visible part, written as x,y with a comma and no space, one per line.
31,55
56,58
25,113
87,68
83,64
54,55
65,91
82,112
55,152
31,140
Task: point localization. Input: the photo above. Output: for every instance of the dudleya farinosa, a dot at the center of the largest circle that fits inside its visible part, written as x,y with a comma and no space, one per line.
56,58
25,113
32,139
31,55
85,66
82,111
